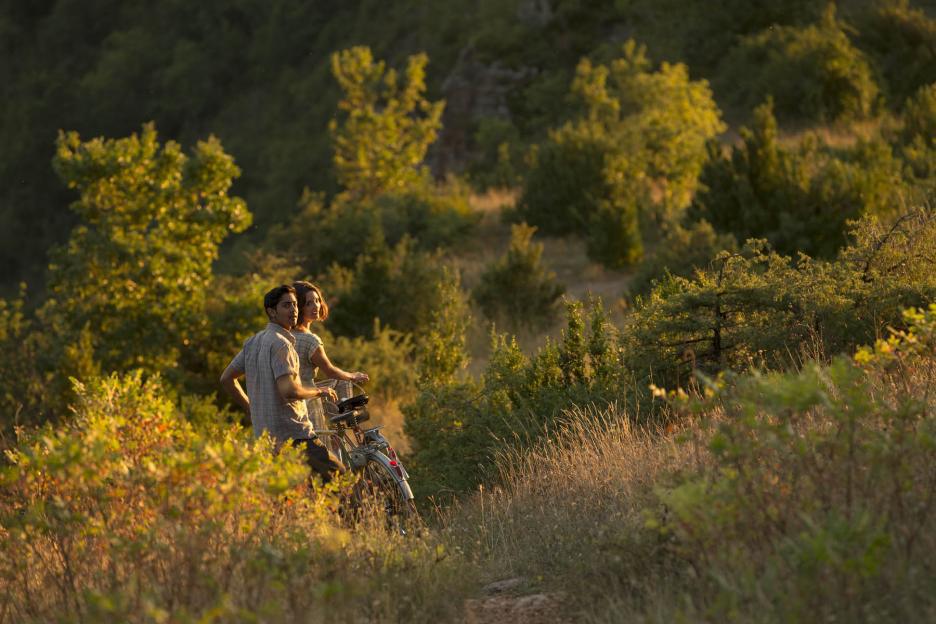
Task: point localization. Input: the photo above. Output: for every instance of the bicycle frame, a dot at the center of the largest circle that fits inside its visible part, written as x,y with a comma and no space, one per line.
366,445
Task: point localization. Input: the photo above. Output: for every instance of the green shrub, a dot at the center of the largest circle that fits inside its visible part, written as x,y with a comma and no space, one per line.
629,162
800,199
901,42
817,486
516,291
760,308
919,118
130,513
456,428
681,252
401,285
917,136
499,163
812,73
433,216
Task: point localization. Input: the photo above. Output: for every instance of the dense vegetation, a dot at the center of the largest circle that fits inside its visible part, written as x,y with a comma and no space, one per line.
742,430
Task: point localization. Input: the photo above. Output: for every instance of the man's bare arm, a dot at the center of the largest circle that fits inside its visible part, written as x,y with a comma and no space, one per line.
291,390
232,386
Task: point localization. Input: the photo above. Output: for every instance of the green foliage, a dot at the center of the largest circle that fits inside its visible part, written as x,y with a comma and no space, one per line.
432,215
812,73
517,291
901,42
919,118
380,142
400,285
441,354
386,356
680,252
137,269
758,308
500,160
801,199
456,428
917,136
817,488
130,513
632,157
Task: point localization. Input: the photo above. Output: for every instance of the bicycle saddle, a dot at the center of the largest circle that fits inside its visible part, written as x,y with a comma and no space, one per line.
352,403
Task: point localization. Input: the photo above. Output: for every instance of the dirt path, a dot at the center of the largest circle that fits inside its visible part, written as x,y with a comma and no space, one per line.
504,603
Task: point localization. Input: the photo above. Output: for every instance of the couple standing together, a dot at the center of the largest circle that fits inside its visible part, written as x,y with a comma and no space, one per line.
279,365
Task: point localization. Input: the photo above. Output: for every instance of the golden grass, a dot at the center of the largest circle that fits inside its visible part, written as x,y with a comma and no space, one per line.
568,515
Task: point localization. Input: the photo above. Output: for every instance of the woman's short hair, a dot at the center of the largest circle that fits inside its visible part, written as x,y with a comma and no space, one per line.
303,288
272,298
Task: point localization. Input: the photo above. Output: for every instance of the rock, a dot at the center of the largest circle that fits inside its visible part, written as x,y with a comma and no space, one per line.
472,90
504,585
530,609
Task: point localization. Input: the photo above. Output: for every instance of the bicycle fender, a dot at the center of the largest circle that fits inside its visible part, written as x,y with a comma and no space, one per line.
400,481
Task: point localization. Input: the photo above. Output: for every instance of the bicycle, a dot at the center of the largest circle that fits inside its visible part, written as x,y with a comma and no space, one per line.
383,479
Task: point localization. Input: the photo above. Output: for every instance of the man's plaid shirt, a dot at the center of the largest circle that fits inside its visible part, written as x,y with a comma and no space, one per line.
266,357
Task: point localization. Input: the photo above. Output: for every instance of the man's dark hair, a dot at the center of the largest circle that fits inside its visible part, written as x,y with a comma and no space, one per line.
272,298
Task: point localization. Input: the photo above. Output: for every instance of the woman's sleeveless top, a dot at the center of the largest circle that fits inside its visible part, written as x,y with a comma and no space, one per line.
306,345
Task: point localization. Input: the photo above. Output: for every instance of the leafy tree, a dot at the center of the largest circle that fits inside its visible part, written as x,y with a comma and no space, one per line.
400,285
632,157
901,42
758,307
137,270
682,250
386,126
813,72
517,291
799,200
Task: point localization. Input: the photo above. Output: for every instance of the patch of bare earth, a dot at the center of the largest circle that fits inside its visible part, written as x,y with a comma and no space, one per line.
501,604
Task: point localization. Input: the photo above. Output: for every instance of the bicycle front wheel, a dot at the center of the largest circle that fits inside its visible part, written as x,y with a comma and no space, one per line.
383,491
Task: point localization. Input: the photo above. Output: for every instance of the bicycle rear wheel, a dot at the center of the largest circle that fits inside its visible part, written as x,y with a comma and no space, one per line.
380,488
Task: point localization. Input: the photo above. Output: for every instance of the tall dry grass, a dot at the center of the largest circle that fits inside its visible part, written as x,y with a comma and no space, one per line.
784,497
570,514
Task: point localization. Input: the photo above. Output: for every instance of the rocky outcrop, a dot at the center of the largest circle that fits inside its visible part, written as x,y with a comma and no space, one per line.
473,90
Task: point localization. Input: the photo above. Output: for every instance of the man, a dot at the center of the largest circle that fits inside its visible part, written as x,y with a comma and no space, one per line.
275,398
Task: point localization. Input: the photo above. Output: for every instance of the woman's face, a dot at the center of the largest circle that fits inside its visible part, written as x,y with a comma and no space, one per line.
312,307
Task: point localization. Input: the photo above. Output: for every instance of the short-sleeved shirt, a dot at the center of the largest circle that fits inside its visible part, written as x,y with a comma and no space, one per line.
266,357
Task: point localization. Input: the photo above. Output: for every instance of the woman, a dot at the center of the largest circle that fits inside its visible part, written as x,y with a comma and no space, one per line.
312,356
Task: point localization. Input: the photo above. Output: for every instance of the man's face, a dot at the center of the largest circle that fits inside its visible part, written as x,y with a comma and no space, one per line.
286,312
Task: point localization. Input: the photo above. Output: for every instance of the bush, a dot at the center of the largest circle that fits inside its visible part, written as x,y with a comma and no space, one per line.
816,486
760,308
629,163
899,39
129,513
400,285
432,216
799,200
919,118
680,253
457,427
812,73
516,291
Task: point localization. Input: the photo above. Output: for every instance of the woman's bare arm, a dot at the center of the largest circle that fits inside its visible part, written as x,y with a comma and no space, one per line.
320,359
